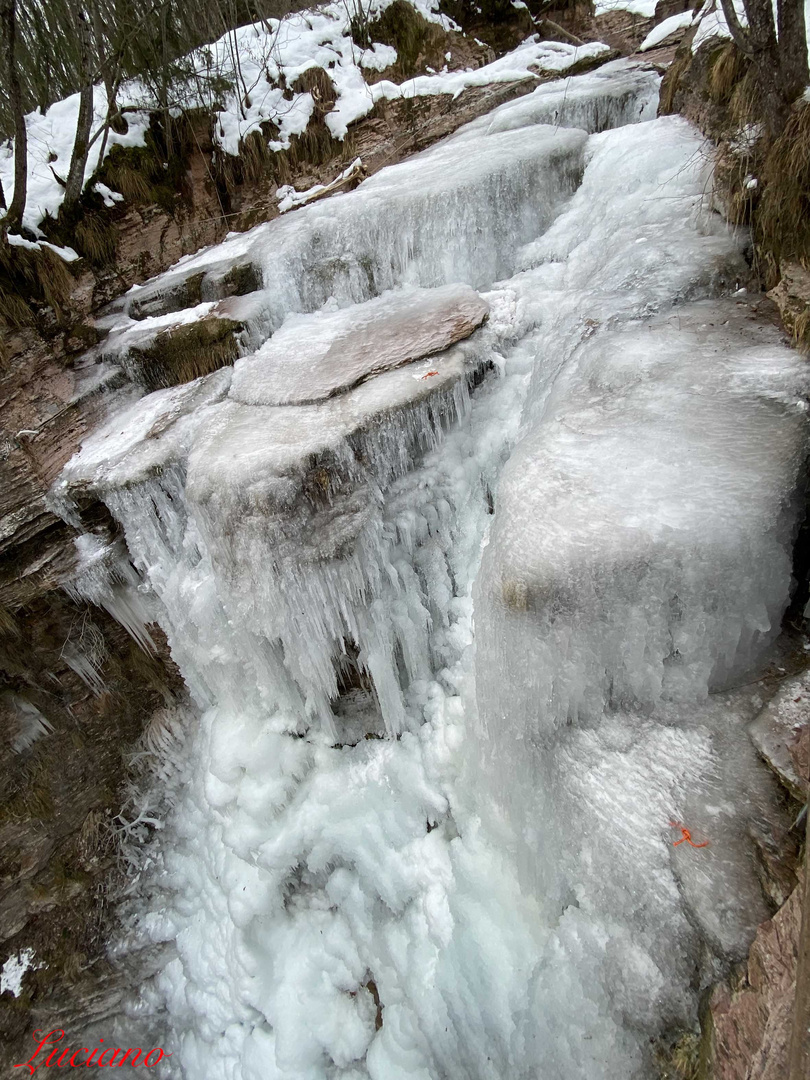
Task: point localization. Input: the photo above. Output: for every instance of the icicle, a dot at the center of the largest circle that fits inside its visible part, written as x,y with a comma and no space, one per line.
104,576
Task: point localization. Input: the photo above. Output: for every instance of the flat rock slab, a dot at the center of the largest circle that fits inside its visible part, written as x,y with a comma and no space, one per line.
314,357
781,734
242,455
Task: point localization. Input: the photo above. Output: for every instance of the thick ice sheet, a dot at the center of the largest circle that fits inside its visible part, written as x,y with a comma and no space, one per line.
641,549
455,213
618,93
141,438
460,219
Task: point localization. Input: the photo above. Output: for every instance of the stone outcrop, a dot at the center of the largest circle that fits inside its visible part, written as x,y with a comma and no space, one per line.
781,734
312,358
755,1025
792,297
751,1023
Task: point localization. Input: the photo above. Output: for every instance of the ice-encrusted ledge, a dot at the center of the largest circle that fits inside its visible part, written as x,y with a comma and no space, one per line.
311,358
324,380
200,479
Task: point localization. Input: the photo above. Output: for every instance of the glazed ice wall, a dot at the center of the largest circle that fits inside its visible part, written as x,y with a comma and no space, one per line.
639,560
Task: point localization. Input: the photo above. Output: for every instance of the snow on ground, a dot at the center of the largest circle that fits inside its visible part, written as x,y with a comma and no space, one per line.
662,31
644,8
50,145
258,60
526,60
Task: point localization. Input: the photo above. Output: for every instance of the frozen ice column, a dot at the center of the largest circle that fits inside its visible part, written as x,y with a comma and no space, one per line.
641,547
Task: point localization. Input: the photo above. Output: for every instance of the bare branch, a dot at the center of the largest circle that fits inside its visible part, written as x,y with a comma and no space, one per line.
738,33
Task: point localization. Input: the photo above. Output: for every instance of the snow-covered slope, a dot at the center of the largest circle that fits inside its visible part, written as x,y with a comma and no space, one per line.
259,62
491,891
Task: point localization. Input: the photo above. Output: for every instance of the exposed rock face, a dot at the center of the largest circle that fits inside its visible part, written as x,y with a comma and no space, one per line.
792,296
751,1025
60,793
754,1027
781,733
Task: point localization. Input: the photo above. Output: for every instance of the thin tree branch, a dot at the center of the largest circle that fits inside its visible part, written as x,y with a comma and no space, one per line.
738,33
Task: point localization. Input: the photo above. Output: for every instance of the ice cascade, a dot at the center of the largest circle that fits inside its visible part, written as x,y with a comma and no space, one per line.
461,563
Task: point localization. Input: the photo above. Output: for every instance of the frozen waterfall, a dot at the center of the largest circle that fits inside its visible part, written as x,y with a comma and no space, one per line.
461,563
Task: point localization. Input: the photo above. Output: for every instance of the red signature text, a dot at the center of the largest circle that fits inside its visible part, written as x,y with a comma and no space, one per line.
56,1055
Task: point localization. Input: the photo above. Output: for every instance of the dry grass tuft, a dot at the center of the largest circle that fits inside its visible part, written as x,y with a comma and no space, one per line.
317,82
783,217
801,331
255,155
30,279
187,353
679,1060
132,183
418,42
728,67
670,84
95,238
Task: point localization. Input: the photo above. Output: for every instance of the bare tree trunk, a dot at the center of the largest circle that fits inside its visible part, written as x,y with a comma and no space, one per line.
792,46
780,62
81,147
8,23
767,61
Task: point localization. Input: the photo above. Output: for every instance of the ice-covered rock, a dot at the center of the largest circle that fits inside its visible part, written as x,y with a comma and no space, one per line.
457,213
781,733
296,489
681,434
290,484
140,439
311,358
621,92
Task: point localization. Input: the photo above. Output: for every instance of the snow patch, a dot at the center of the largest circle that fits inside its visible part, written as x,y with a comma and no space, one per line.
644,8
11,976
669,26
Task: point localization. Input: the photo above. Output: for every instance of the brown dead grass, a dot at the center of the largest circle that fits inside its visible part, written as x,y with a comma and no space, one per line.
29,279
783,217
728,67
187,353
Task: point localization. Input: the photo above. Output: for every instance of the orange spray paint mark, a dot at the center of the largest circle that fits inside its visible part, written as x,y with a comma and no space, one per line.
686,837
